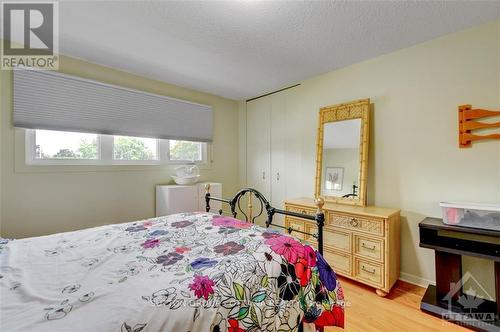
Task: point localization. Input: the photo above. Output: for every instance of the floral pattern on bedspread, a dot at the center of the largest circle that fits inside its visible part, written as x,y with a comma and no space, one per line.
216,273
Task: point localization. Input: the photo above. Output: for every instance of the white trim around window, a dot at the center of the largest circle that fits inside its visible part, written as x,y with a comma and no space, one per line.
105,154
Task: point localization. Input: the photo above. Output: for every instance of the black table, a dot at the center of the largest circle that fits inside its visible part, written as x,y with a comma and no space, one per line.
447,299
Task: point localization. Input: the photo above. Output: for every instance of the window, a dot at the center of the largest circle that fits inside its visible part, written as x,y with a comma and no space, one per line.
63,145
185,151
135,148
47,147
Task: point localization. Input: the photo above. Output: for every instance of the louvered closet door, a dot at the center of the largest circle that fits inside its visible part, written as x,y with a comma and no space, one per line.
258,147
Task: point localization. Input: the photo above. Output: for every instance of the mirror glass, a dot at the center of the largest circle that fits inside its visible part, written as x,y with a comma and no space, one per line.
341,159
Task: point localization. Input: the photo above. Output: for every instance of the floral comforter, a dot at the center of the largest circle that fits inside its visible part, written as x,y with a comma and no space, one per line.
185,272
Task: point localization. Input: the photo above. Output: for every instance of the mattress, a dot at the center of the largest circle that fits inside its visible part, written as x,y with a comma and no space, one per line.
184,272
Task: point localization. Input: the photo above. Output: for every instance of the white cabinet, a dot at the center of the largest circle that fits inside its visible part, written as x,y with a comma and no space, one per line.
171,199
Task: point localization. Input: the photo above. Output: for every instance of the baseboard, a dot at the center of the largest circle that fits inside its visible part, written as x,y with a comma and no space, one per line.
415,280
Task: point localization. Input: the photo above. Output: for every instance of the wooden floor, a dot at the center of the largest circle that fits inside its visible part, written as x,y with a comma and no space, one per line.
399,311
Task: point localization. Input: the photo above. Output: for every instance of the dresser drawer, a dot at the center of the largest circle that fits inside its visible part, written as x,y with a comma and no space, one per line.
339,262
361,224
311,229
369,272
296,224
300,209
337,239
369,248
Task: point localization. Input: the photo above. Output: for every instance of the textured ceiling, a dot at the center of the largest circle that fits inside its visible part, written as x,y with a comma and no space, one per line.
243,49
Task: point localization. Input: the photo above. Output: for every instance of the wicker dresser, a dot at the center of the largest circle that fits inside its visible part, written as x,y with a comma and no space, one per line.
361,243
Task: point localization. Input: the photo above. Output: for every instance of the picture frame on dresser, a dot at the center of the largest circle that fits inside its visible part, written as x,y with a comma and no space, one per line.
334,178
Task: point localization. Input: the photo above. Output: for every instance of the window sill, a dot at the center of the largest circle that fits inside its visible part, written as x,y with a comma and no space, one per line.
44,168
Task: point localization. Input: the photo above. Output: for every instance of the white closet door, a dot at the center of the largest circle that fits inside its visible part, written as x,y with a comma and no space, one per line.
258,145
293,175
278,148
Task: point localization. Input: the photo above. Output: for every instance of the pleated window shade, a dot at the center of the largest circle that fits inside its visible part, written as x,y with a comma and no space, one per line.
55,101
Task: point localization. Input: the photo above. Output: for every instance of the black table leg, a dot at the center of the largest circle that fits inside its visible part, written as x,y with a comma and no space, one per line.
497,286
448,270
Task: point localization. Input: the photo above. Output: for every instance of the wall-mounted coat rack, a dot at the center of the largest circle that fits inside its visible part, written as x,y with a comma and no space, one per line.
467,122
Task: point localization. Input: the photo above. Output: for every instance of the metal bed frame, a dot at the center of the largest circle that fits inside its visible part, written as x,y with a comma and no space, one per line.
235,202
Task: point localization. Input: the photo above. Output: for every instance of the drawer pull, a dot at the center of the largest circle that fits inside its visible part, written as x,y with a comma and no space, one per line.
368,271
368,247
354,222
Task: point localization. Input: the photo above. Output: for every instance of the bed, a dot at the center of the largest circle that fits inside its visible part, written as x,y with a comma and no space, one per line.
186,272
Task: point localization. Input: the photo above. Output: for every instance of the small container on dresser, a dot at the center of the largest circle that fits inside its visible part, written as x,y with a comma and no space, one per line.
361,243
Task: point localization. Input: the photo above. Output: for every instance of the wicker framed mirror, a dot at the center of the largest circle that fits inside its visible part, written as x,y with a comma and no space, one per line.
342,152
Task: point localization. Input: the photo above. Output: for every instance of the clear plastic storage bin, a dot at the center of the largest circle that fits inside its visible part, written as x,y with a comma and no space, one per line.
485,216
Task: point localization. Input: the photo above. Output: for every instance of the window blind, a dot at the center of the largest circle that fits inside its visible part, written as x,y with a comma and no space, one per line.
55,101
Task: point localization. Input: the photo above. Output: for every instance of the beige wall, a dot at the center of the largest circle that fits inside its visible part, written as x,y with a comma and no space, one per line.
39,200
414,159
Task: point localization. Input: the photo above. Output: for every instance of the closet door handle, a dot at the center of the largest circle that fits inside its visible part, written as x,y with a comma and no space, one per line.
263,175
277,176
